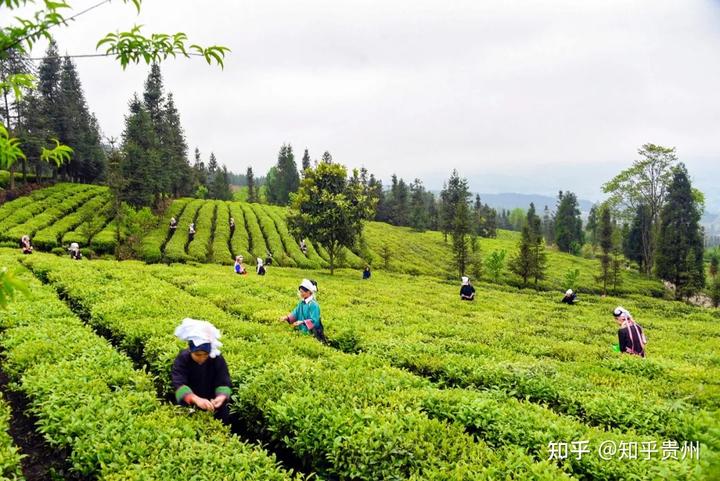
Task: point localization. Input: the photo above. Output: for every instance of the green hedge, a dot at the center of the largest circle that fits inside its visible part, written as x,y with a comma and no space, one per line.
342,415
175,247
272,237
258,246
10,458
90,400
152,244
240,240
221,235
40,200
51,237
290,245
52,214
199,247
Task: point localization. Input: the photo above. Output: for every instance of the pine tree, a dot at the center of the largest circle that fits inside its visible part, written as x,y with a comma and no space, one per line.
522,263
175,150
605,240
530,262
461,228
78,128
141,157
154,97
418,208
306,161
680,242
455,190
714,266
283,179
326,158
548,226
568,225
199,170
252,190
592,226
633,242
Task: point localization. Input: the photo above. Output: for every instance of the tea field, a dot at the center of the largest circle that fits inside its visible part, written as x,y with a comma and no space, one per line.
414,384
56,216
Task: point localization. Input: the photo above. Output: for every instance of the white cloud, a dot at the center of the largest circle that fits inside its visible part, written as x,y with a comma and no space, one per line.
518,95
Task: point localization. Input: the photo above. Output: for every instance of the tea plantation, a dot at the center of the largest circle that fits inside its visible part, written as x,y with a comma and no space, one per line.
414,384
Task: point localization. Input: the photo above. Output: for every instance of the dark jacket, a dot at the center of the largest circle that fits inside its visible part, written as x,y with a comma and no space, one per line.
206,380
467,292
569,299
631,339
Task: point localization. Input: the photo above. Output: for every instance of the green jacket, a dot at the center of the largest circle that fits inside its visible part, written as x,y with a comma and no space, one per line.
304,312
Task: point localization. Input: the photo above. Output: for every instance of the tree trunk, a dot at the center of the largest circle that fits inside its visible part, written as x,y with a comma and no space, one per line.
12,177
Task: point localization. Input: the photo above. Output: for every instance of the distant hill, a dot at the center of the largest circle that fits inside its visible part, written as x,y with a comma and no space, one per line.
509,201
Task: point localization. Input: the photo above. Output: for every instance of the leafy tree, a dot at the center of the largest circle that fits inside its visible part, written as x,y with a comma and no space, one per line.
646,182
252,190
181,176
495,263
14,63
517,218
326,158
329,210
568,224
571,278
680,241
220,187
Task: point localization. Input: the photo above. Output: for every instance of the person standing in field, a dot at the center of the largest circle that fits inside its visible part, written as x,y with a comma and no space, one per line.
569,297
467,291
74,250
191,231
173,224
260,270
200,375
303,246
306,315
239,268
630,335
232,226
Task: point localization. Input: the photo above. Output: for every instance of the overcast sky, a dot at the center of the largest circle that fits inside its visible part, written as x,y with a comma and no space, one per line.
518,95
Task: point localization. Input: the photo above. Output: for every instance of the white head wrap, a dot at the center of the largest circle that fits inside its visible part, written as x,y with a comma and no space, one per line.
308,285
465,280
568,292
259,261
200,332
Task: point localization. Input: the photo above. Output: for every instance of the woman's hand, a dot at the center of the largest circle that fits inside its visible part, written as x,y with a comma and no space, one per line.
219,401
297,323
203,403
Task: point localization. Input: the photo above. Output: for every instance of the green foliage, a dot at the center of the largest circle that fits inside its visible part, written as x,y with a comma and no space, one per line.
240,240
715,292
10,151
10,457
257,245
329,210
530,262
9,285
495,264
571,279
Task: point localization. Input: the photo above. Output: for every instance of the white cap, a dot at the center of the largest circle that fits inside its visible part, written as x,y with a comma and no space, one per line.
308,285
568,292
465,279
